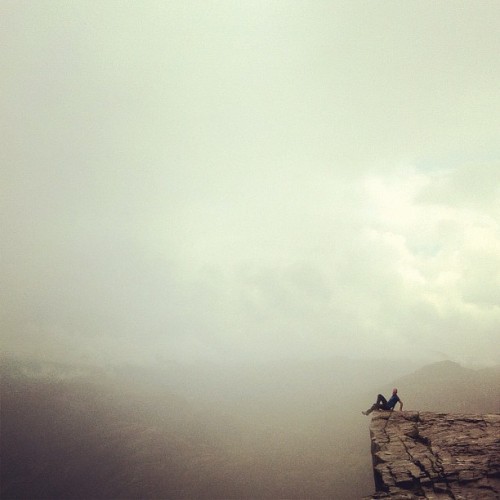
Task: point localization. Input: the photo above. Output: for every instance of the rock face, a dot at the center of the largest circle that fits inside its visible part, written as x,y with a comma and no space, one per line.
435,455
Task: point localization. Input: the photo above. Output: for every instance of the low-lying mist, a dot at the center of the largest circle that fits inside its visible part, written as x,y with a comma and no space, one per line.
280,430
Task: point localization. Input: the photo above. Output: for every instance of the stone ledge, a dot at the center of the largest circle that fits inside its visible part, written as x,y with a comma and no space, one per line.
419,455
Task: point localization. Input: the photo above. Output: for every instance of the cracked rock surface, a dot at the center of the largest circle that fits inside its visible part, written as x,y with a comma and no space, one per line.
435,455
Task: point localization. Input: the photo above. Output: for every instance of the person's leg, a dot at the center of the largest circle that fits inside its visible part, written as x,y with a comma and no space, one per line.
378,405
381,402
367,412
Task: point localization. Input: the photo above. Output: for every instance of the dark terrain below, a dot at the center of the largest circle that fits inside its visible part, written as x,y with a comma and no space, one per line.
289,430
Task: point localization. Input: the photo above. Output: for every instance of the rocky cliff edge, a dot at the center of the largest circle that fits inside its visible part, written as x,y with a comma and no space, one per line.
430,455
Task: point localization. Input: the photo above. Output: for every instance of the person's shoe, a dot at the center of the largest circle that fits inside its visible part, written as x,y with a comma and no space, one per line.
364,413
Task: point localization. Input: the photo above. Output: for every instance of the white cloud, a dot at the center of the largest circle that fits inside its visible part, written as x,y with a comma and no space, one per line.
252,179
447,255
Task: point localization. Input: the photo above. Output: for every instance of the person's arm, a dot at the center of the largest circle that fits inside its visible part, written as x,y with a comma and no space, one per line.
400,405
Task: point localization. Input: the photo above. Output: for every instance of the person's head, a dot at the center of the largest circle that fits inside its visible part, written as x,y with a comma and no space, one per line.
394,391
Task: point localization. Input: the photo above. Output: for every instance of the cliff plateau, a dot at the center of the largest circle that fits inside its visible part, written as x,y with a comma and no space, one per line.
426,455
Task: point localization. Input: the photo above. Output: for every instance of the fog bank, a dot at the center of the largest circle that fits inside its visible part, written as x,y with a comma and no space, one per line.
250,181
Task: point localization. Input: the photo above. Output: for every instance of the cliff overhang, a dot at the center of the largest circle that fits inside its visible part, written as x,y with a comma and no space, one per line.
419,455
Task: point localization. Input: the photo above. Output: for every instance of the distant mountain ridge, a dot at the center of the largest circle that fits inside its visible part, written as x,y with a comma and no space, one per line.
42,369
449,387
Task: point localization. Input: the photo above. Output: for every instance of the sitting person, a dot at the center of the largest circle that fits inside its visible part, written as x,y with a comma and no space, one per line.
383,404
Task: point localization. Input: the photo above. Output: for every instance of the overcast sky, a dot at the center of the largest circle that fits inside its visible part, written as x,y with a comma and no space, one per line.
250,179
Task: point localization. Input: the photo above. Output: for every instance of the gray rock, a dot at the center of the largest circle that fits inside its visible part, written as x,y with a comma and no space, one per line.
430,455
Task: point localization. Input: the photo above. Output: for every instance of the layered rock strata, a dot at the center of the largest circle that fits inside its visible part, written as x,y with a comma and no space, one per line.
429,455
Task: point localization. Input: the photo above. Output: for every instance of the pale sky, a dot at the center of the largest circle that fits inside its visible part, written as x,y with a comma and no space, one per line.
250,180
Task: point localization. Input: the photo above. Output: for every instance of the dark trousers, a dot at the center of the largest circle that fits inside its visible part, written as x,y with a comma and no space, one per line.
381,404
